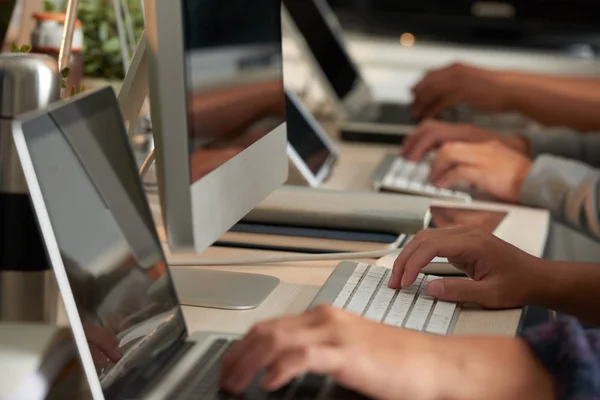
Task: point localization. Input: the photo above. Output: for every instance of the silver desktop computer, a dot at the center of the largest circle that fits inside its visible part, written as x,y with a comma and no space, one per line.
218,112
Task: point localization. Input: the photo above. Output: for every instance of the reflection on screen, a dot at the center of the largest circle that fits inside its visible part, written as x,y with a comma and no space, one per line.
328,52
234,77
451,217
304,139
105,234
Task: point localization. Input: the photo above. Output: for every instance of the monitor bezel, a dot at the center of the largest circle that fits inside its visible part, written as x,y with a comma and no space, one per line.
196,215
360,97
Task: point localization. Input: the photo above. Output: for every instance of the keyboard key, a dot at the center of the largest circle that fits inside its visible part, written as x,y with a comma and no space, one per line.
441,318
403,303
422,308
366,290
382,300
349,287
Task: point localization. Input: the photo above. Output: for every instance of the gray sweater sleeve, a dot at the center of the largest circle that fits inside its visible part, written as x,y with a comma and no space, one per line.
566,143
568,188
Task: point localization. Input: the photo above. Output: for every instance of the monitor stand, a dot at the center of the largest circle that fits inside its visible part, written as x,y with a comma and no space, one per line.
195,287
221,289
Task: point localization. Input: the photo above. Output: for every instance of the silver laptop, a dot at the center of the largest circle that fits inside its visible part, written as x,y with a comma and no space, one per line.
311,152
109,264
315,28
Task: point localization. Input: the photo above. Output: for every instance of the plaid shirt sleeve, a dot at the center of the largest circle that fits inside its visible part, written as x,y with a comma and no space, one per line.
571,354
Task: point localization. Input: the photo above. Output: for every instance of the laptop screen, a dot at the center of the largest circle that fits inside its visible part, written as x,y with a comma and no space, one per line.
104,231
304,138
325,46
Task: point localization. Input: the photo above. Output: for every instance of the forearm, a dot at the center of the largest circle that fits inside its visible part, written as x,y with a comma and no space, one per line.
569,288
496,367
556,106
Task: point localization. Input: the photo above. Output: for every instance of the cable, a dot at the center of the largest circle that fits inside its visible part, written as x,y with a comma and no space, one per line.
195,262
147,163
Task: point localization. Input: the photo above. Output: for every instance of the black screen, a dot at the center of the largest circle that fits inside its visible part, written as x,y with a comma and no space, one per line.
304,139
328,52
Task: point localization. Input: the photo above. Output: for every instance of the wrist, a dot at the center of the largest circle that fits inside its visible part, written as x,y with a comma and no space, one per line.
498,367
517,142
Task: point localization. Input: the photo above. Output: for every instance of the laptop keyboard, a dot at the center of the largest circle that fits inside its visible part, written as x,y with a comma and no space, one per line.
203,383
366,293
410,177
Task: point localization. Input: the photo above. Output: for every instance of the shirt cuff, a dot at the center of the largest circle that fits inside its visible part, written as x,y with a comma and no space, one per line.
570,354
550,180
557,141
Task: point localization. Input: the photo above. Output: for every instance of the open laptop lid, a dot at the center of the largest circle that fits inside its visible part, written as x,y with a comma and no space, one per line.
317,30
101,241
309,148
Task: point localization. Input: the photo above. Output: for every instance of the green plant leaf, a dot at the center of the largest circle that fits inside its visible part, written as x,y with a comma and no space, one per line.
14,48
63,84
82,88
65,72
49,6
73,91
25,48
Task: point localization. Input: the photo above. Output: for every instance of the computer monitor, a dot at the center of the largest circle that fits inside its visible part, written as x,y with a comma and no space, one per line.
314,25
218,115
310,150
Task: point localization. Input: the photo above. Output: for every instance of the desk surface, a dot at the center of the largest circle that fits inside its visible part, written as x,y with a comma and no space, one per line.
526,228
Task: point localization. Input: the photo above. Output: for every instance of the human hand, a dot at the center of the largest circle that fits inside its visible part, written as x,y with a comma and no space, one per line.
458,84
431,134
502,276
332,342
489,166
104,345
383,362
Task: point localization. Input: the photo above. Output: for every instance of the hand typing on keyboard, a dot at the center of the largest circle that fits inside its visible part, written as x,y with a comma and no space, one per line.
432,134
501,274
381,361
490,167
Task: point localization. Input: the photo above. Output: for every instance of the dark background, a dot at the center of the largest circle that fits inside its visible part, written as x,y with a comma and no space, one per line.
564,25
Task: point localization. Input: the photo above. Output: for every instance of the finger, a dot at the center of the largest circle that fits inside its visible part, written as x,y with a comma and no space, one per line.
458,290
99,358
452,155
322,360
462,174
264,350
416,136
443,104
259,331
427,142
452,243
104,340
395,281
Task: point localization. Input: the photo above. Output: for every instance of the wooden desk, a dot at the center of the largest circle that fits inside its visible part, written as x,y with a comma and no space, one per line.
525,228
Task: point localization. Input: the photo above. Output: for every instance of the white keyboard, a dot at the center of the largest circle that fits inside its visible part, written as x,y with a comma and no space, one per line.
410,177
366,293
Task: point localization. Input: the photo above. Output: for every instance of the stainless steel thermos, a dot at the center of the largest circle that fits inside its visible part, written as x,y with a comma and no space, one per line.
28,291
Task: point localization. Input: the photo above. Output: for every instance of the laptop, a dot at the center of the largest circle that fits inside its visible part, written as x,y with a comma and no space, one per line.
107,258
316,29
311,152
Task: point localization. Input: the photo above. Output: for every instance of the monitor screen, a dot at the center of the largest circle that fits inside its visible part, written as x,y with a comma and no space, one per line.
327,50
233,77
304,137
106,237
